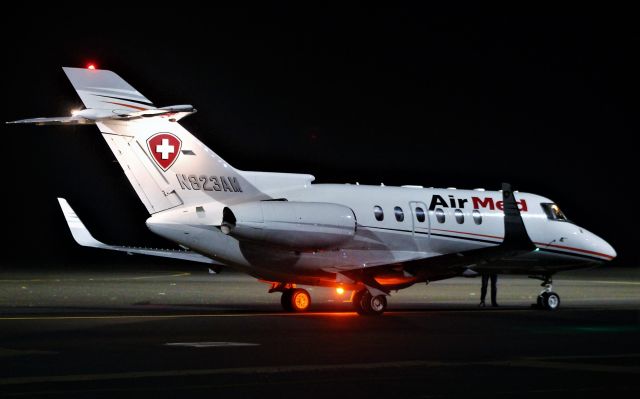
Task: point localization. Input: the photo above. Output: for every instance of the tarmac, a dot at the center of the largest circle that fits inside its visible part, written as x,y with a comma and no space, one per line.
159,332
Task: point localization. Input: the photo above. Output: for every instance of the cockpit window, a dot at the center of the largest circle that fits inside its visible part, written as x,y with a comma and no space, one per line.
553,212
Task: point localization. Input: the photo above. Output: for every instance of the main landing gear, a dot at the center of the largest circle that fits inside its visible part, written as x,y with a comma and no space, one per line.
293,299
299,300
367,304
547,299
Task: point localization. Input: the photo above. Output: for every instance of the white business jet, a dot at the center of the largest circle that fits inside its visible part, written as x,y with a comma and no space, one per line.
282,229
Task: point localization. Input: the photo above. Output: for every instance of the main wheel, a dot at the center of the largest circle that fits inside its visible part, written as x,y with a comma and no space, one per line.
295,300
550,300
367,304
378,304
357,301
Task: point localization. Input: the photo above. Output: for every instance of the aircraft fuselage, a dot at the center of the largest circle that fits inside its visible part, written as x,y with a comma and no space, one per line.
415,223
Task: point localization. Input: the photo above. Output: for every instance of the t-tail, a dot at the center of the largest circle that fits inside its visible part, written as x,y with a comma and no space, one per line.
166,165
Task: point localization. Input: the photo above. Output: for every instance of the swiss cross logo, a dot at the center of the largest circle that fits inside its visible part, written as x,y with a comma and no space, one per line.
165,148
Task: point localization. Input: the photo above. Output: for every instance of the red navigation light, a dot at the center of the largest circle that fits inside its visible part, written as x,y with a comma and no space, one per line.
91,66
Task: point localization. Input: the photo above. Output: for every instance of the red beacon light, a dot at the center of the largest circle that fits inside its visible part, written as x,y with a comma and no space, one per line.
91,66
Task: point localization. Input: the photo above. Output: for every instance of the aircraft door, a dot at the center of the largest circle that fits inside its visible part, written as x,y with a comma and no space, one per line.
420,225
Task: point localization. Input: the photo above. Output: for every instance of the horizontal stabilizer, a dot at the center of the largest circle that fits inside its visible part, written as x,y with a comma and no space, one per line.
57,120
91,116
83,237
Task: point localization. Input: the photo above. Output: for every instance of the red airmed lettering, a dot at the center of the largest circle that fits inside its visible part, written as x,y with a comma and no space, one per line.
476,203
488,202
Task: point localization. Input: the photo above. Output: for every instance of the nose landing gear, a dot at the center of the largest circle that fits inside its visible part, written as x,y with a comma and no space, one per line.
547,299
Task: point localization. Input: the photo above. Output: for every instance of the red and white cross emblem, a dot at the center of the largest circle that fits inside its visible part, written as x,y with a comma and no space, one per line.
165,148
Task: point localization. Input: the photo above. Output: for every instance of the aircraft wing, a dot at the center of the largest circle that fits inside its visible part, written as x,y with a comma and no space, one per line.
451,265
83,237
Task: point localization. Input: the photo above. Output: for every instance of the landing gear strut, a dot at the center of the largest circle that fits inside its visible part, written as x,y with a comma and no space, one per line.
547,299
367,304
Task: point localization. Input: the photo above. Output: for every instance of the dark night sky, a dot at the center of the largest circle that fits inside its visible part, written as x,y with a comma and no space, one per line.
372,95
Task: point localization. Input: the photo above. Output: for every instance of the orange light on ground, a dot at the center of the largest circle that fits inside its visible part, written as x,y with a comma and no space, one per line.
340,290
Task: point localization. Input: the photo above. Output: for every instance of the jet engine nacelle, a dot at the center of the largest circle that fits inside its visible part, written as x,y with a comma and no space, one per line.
297,225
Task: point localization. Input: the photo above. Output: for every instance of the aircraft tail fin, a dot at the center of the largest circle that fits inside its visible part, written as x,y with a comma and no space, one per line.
102,89
166,165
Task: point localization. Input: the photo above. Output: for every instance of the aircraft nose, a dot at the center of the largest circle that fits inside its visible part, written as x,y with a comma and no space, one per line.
600,247
608,249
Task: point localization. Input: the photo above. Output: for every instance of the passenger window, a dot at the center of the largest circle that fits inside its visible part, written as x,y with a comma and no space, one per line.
440,215
399,213
379,214
420,214
477,216
459,216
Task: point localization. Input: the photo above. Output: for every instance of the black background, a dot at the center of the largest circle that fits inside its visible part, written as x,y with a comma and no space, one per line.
400,96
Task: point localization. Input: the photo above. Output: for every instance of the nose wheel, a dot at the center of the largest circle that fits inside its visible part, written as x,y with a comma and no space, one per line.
547,299
369,305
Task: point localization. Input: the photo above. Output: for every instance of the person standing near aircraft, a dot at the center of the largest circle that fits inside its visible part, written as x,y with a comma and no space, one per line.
494,288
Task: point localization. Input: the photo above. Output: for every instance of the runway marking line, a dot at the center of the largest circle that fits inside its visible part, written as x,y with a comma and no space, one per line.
577,366
176,316
606,282
315,368
200,372
210,344
42,280
578,357
275,314
269,314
